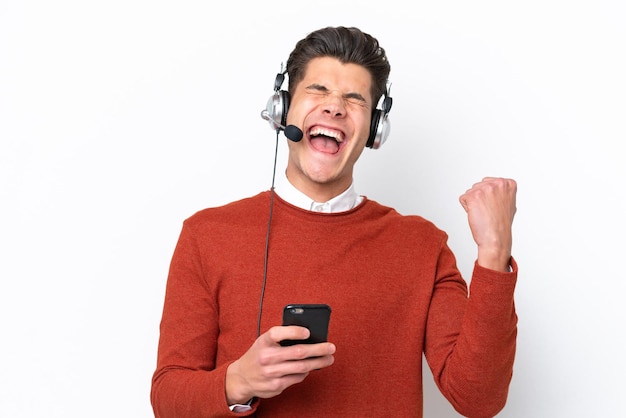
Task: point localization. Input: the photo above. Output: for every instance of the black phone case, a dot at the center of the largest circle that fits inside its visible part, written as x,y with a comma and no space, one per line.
315,317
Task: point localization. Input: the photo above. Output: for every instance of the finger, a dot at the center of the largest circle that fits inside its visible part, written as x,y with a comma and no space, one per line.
463,201
298,359
306,351
291,332
305,365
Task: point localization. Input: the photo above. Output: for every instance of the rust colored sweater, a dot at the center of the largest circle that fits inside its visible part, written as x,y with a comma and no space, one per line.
395,293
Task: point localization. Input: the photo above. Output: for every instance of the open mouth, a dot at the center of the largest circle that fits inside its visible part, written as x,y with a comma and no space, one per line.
325,140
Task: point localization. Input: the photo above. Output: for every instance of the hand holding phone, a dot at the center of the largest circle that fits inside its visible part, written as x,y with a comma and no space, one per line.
315,317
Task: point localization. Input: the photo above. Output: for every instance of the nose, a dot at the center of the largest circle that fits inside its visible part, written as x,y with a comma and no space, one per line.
334,104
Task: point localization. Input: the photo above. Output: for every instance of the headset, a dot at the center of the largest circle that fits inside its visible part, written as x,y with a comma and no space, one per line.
278,105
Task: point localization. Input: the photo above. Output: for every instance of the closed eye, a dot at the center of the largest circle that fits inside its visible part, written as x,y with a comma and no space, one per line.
355,99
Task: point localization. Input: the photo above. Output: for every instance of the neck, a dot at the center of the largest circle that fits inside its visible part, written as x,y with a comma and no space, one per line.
318,191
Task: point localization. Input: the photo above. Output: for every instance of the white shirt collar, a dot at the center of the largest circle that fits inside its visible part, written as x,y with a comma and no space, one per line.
341,203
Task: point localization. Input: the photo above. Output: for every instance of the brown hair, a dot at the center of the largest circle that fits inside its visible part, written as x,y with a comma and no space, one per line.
348,45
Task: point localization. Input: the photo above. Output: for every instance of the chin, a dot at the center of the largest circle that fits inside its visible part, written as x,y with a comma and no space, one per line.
323,175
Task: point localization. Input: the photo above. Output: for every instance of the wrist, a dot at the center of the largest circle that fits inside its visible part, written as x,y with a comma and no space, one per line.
234,387
494,259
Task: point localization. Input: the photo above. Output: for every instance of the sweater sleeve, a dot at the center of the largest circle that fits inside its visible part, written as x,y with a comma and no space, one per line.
186,382
471,338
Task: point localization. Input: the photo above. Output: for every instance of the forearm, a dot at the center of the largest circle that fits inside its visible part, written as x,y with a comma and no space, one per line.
478,372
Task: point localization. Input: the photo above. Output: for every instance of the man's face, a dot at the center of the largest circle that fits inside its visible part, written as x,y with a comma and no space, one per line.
333,106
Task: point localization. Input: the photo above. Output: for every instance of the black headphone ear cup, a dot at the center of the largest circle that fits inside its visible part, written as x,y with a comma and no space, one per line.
379,129
286,101
373,128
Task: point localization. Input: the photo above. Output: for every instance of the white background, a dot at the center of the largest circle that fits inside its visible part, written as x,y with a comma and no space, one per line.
119,119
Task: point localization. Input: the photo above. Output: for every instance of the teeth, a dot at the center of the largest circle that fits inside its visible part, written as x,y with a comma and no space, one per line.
326,132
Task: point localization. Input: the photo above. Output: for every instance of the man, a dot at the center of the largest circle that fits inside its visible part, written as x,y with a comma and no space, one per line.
391,280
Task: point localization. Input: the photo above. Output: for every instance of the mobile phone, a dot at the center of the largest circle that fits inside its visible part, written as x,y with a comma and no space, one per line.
315,317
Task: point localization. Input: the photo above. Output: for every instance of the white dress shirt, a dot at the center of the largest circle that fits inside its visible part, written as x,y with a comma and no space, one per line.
341,203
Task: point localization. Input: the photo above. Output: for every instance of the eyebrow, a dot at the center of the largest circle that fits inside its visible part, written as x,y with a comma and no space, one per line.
324,89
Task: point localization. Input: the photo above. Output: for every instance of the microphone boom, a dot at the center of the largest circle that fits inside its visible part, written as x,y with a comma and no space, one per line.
292,132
